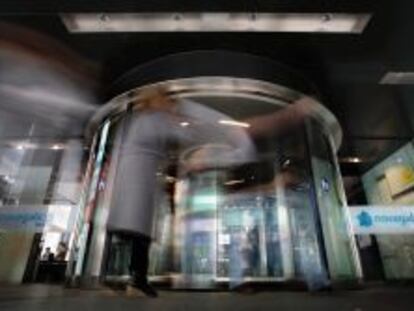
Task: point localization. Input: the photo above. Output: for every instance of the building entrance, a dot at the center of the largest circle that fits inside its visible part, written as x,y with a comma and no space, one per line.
235,180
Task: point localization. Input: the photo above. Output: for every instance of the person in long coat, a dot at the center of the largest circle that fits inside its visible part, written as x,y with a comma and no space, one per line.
147,135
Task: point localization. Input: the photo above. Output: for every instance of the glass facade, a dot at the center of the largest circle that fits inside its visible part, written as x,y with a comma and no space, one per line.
39,190
334,221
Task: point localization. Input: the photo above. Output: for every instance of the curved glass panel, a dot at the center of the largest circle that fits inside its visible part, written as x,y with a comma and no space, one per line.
222,183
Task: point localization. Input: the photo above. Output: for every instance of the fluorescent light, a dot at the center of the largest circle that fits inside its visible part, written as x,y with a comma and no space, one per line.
220,21
351,160
394,77
234,182
184,124
57,147
234,123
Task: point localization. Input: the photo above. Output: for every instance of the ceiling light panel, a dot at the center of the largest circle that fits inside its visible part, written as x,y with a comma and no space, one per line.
393,77
210,22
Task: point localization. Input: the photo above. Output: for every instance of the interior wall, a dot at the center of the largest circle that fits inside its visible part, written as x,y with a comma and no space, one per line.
391,182
14,252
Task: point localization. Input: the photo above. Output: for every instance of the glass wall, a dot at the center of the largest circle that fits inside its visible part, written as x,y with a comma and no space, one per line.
341,253
39,191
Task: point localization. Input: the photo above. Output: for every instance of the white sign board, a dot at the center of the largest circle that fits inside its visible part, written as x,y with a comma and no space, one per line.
382,219
36,218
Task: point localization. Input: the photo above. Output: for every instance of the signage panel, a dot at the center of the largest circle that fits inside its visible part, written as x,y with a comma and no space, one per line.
36,218
382,219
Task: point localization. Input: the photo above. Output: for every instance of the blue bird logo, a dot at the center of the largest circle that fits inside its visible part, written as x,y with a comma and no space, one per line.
365,219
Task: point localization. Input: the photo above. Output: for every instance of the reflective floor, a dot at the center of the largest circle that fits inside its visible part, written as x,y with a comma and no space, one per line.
57,298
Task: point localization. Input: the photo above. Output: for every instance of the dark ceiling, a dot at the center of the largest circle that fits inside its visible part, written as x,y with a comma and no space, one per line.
347,68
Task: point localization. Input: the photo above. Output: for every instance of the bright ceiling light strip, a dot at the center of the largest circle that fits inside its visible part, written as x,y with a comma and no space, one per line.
216,22
397,77
234,182
234,123
351,160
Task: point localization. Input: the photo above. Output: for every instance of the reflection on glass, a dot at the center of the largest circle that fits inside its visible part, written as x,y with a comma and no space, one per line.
234,184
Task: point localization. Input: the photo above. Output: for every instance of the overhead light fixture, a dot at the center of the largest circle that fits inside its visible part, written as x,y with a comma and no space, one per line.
351,160
56,147
234,182
234,123
184,124
216,22
394,77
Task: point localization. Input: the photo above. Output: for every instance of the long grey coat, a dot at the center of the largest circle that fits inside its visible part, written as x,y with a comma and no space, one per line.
146,138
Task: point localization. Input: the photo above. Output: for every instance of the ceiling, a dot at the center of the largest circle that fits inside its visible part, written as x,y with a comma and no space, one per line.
347,68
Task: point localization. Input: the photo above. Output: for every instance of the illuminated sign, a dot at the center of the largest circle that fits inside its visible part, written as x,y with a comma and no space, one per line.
382,219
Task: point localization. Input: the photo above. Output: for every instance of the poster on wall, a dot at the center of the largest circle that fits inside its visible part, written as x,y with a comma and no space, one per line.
399,178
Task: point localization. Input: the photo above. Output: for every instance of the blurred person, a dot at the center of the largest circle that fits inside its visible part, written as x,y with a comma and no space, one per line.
48,259
244,248
293,179
253,252
281,121
46,89
143,147
149,131
48,255
249,246
304,230
155,124
245,254
61,251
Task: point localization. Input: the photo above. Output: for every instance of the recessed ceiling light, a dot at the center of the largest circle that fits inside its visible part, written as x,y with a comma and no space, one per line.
351,160
26,146
184,124
219,21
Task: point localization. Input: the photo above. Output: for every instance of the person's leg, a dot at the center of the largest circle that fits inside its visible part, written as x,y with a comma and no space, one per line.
139,258
139,264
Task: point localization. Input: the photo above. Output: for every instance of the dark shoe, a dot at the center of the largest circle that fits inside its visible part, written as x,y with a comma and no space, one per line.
146,288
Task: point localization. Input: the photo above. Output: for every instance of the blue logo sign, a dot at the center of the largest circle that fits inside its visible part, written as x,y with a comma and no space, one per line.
382,219
365,219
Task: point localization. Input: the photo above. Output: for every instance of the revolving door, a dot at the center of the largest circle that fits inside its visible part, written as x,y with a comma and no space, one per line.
243,180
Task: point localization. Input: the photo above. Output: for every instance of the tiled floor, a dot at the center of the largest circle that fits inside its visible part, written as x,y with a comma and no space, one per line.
45,298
